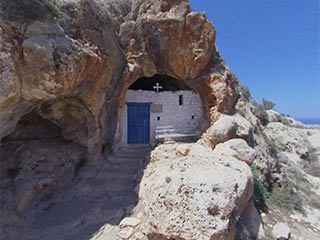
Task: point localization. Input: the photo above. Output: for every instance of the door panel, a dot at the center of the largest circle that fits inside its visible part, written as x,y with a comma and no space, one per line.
138,122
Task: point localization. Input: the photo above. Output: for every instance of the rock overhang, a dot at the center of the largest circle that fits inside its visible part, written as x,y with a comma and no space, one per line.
87,56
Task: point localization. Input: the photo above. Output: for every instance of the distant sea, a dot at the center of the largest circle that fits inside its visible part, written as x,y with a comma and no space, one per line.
309,121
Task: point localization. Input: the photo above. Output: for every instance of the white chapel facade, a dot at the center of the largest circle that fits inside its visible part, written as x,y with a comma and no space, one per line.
155,103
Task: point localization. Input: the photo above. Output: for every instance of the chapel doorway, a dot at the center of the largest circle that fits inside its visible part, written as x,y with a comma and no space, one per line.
138,123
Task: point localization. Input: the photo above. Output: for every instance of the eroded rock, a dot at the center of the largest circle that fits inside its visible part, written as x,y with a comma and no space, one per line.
203,198
129,222
72,67
237,148
84,55
228,127
281,231
125,233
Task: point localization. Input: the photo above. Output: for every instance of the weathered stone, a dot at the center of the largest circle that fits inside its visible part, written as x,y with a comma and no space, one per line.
237,148
222,130
73,68
203,198
281,231
228,127
139,235
34,163
106,232
125,233
129,222
87,56
182,150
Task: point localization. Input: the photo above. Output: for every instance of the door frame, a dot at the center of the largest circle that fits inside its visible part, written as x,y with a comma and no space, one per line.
148,120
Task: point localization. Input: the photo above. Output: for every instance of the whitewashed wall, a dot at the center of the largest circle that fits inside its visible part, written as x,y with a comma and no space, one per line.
173,114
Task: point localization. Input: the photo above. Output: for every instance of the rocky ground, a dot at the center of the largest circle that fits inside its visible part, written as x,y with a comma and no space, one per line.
183,191
112,203
94,199
189,192
297,149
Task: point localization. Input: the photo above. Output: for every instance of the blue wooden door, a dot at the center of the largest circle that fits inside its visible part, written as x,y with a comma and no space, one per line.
138,122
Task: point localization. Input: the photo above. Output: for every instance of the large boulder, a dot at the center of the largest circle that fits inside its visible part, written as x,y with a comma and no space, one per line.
196,196
228,127
281,231
236,148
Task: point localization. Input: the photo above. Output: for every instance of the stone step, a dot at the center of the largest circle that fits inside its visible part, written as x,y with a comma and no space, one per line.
128,159
133,153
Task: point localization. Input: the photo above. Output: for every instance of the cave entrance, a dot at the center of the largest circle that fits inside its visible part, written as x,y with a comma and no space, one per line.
37,146
158,108
32,126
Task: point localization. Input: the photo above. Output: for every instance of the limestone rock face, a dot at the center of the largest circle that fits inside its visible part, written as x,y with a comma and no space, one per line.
160,32
49,66
72,62
197,196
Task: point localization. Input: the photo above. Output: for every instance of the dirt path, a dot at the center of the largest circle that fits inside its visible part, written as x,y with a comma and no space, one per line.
94,199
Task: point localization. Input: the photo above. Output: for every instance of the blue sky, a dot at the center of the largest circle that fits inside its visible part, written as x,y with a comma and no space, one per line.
273,48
